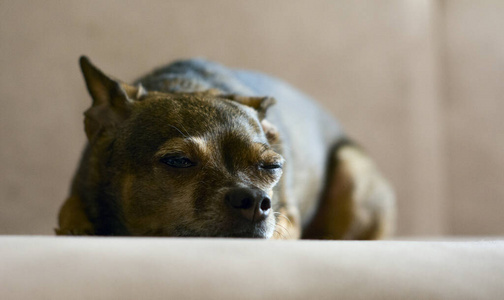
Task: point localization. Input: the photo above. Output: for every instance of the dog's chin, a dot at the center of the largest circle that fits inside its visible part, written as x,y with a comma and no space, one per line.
257,231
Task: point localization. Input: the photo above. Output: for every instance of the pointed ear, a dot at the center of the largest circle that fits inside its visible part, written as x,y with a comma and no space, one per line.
260,104
112,99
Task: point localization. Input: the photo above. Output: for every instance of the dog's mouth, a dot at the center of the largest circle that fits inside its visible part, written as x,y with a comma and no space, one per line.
259,230
254,231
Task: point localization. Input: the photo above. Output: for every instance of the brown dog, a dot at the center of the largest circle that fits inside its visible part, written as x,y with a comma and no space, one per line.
196,149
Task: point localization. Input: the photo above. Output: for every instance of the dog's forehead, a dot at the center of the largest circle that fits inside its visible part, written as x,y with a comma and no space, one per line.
156,121
197,115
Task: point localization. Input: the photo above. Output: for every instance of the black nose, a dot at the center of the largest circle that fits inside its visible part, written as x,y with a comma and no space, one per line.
253,204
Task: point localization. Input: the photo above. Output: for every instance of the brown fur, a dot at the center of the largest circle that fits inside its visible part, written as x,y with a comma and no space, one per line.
123,188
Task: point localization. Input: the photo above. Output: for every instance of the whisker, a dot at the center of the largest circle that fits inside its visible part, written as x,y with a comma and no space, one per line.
178,131
280,234
282,215
287,231
184,129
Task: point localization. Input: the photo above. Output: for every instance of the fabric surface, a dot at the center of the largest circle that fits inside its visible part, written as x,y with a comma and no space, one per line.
38,267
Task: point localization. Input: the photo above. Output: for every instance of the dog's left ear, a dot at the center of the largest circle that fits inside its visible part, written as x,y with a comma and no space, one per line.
260,104
112,99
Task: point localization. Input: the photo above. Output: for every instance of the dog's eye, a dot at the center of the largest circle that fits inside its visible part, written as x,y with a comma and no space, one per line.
178,161
271,166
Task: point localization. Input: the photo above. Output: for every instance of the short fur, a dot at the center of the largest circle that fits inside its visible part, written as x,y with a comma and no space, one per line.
239,130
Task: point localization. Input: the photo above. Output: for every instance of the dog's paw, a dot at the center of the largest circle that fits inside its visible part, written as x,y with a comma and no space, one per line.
73,219
372,198
74,231
357,204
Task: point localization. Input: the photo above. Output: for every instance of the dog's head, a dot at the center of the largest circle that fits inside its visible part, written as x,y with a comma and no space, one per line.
183,164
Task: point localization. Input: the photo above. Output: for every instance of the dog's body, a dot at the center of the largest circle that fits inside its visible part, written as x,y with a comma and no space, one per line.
196,149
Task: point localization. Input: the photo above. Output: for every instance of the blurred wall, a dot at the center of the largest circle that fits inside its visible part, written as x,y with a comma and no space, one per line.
418,83
474,110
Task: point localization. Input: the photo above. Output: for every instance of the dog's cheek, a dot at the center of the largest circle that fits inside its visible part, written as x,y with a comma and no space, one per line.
208,206
271,220
149,206
271,225
271,132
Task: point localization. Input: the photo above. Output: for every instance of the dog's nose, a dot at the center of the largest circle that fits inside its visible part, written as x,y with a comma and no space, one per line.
253,204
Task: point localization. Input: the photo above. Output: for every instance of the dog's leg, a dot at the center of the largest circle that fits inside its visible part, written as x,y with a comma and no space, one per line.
73,219
357,202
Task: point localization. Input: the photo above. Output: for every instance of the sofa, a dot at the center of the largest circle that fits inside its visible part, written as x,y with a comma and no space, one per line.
46,267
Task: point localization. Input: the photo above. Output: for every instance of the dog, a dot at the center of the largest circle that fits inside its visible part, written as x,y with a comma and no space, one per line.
195,149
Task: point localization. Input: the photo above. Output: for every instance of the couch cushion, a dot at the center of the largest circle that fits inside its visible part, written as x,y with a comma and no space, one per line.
37,267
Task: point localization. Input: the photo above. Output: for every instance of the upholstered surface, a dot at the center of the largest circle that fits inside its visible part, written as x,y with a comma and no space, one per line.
36,267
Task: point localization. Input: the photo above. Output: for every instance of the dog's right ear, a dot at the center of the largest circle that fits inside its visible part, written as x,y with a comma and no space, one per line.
112,99
260,104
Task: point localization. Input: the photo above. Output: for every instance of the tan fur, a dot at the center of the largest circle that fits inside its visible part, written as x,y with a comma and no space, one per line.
358,203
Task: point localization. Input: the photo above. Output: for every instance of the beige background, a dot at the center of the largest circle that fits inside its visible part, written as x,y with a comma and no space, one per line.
419,83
